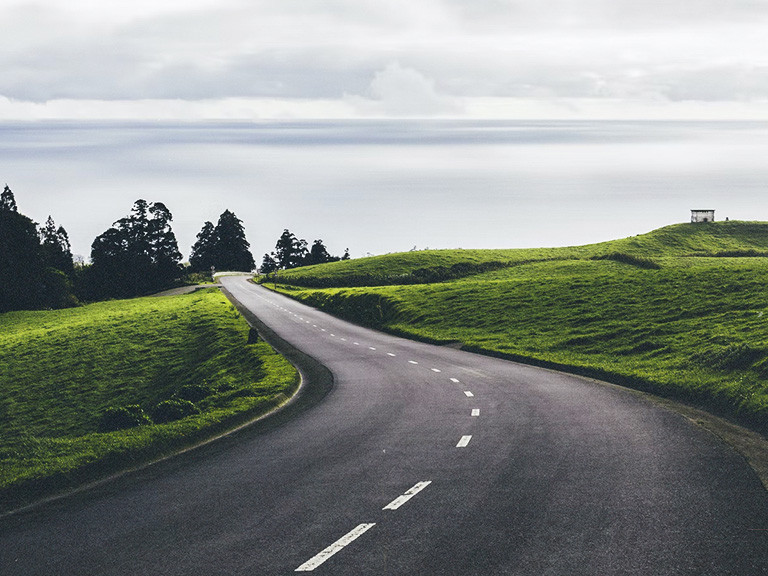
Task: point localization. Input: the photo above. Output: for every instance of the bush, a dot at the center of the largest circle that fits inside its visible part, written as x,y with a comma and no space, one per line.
122,417
172,410
193,392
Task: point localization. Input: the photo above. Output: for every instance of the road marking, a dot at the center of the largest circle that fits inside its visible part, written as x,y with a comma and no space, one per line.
468,393
323,329
371,348
400,500
475,411
314,325
436,370
307,321
334,335
390,354
345,540
455,380
412,362
343,339
464,441
357,343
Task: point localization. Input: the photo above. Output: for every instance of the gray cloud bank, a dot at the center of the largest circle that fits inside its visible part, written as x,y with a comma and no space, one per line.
376,58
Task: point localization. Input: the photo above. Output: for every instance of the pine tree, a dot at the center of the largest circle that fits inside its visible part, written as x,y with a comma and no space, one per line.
201,258
56,247
22,267
163,248
7,201
231,249
268,265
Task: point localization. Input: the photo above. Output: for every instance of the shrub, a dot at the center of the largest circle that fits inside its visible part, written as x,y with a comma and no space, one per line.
122,417
193,392
172,410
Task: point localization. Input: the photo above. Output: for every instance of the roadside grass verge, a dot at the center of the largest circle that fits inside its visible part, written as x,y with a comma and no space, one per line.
64,372
660,319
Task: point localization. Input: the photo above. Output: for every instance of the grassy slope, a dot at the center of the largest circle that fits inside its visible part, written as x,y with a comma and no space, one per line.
696,328
674,241
61,369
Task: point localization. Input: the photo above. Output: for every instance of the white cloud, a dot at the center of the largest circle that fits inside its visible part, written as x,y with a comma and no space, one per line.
399,91
369,57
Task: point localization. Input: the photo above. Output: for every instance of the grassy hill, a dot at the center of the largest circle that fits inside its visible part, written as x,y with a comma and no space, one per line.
180,365
681,311
721,239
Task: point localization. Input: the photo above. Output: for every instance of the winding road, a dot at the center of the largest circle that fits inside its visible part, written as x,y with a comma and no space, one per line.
420,460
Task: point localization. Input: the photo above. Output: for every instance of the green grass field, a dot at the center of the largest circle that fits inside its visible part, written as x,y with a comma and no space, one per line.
681,311
62,370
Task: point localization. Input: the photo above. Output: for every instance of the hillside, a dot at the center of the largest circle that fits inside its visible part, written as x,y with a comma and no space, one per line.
679,240
180,364
681,311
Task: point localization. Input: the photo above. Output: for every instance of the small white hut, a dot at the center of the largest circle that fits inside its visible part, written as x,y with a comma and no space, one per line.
702,215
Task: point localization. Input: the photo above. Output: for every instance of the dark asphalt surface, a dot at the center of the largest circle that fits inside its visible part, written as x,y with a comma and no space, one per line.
561,476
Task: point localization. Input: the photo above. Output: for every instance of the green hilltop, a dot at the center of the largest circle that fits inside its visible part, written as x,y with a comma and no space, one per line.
715,239
681,311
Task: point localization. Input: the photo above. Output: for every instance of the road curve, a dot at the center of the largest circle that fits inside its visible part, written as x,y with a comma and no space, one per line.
420,460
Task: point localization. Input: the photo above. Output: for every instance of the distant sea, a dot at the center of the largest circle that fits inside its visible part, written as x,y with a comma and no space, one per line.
387,186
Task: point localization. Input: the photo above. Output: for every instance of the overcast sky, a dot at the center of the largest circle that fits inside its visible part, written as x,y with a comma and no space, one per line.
246,59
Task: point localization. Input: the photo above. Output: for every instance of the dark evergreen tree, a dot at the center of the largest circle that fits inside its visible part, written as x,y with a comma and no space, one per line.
163,248
346,254
22,267
268,265
232,250
56,247
318,254
290,252
138,255
202,255
7,201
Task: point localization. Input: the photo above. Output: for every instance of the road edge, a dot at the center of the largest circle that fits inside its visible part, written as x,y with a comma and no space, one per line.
315,382
748,443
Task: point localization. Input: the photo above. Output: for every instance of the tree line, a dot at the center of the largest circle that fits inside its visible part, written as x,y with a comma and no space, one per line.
292,252
137,255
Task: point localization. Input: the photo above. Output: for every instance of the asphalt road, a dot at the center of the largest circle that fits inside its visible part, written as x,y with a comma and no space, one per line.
420,460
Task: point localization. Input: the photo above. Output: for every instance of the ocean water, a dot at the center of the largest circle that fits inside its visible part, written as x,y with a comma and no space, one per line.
386,186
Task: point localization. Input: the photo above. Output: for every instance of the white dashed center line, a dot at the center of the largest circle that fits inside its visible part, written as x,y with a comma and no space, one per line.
390,354
464,441
475,411
455,380
345,540
371,348
412,362
400,500
468,393
435,370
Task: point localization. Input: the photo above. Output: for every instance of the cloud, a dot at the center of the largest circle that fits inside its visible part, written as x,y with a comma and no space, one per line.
400,91
401,58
